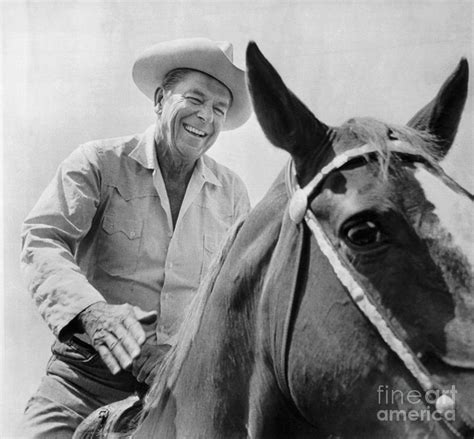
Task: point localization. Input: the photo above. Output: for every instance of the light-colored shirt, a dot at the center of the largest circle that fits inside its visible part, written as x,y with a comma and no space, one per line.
102,230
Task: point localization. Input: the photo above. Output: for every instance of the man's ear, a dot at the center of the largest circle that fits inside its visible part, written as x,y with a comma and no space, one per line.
158,99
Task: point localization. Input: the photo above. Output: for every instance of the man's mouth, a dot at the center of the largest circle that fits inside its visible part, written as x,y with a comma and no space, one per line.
194,131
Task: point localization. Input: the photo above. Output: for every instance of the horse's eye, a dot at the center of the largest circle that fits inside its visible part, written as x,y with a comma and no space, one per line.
363,234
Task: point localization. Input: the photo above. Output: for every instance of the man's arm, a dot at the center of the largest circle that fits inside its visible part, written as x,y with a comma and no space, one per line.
50,235
66,300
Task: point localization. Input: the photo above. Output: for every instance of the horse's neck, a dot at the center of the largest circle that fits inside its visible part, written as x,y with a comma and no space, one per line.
210,397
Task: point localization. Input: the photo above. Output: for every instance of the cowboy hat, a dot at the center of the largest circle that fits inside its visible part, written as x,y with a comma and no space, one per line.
214,58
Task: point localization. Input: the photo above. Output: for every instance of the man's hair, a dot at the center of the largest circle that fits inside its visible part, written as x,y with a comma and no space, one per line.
172,78
176,75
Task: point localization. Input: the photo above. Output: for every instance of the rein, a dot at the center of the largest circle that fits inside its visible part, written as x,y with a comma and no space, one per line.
299,210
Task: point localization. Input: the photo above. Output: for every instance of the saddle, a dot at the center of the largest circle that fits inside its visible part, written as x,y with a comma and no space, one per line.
116,420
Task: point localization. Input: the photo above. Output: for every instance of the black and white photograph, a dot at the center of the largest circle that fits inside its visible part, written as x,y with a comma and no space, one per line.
237,219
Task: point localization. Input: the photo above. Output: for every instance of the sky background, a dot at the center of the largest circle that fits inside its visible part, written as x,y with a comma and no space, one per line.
66,79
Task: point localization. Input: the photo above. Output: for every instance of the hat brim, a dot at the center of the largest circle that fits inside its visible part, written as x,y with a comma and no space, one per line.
199,54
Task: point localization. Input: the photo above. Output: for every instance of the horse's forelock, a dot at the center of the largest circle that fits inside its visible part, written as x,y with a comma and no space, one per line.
358,131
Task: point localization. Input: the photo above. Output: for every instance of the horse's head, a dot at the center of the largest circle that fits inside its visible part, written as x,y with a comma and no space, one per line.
395,219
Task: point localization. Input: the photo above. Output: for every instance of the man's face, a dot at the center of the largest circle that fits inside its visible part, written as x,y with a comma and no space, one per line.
191,115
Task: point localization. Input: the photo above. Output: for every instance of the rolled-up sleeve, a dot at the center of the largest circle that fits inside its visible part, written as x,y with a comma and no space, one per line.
50,235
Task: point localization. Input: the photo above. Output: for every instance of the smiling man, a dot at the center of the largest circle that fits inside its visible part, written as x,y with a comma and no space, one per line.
116,246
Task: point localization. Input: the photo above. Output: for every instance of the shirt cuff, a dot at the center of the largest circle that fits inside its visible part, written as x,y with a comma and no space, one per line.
60,307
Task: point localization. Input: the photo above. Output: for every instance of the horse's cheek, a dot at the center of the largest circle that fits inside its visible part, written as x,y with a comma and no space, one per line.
332,351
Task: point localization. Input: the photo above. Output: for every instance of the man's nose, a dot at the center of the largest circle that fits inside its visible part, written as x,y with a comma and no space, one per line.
205,113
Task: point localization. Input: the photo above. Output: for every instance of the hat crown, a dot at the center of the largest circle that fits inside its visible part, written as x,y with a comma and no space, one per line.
214,58
227,48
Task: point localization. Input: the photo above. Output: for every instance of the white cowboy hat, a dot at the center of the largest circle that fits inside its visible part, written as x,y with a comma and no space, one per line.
212,57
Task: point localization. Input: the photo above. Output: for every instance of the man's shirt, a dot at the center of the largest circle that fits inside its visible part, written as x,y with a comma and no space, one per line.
102,230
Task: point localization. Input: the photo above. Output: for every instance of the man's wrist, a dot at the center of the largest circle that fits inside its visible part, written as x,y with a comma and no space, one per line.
84,316
73,327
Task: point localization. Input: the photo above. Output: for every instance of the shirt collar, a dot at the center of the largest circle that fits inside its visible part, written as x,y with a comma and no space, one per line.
206,172
145,154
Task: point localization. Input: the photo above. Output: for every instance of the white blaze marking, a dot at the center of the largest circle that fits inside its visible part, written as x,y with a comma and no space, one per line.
455,214
454,211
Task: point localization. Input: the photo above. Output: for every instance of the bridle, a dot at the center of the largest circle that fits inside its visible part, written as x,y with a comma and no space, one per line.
463,426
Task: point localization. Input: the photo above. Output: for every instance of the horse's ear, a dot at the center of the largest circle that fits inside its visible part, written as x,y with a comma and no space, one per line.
442,115
285,120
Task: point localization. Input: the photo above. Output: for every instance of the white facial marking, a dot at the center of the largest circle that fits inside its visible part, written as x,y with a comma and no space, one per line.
455,215
454,211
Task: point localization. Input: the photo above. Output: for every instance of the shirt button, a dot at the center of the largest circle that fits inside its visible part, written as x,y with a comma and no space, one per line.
132,234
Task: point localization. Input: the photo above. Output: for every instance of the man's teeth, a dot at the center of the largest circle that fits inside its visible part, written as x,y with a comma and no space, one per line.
195,131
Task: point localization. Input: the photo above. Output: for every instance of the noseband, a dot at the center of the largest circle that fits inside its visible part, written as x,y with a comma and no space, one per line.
299,210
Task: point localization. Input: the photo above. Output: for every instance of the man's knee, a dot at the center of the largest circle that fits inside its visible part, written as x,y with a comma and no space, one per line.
65,397
45,419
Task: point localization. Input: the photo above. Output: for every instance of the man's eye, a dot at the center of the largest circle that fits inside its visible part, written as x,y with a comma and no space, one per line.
219,111
194,100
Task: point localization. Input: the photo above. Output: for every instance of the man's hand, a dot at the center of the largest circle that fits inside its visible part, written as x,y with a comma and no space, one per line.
156,345
116,332
145,365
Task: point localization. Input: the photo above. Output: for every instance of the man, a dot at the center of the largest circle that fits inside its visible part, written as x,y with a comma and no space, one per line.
118,242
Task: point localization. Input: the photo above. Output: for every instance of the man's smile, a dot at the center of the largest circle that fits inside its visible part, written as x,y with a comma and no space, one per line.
194,131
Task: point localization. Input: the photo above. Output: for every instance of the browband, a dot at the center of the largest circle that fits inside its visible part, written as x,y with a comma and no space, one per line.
300,196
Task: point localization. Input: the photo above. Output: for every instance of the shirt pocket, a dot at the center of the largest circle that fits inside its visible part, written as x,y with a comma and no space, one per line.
211,245
119,244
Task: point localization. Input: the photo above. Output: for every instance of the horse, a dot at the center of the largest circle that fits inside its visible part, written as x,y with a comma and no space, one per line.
342,305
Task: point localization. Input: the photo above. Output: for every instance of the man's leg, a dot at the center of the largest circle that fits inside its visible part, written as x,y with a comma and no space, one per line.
76,383
45,418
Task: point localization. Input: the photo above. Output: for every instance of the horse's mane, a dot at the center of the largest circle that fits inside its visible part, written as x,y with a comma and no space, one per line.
169,369
381,134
